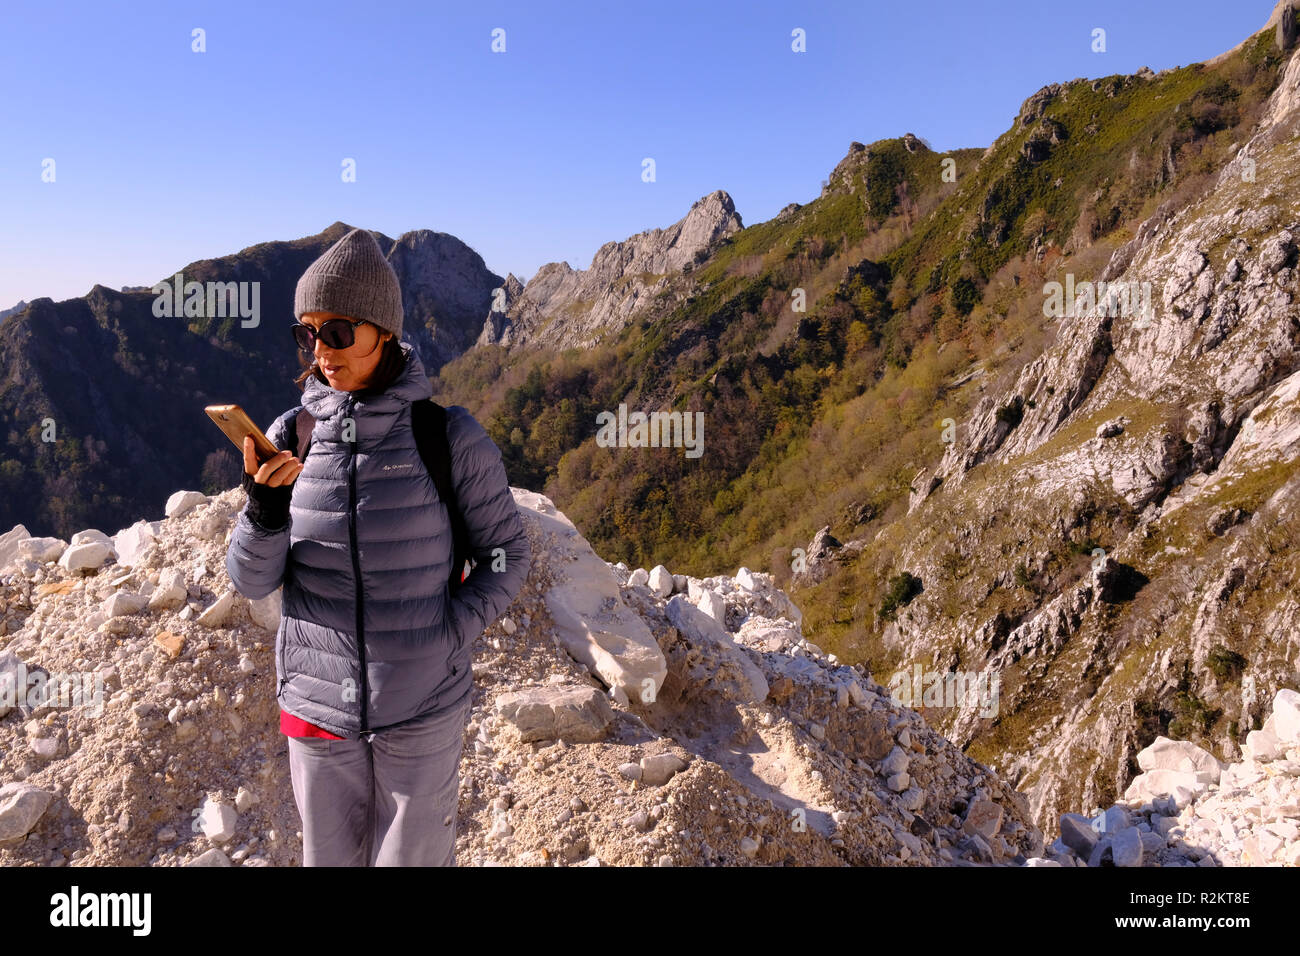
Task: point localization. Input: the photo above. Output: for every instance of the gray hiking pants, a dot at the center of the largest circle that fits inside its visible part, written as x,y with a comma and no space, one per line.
386,799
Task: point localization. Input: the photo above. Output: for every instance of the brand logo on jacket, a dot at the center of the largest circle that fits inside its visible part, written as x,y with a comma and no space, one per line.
395,467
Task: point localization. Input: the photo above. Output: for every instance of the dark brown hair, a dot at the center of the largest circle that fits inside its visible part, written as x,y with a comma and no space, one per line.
391,362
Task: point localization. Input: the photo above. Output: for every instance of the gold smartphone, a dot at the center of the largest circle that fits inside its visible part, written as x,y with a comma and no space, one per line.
234,421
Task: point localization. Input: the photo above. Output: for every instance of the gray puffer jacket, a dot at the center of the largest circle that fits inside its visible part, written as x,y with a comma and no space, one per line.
368,636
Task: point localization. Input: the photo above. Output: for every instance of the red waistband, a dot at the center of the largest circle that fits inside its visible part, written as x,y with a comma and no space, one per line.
292,726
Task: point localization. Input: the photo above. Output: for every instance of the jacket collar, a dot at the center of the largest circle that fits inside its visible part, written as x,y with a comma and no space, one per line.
374,413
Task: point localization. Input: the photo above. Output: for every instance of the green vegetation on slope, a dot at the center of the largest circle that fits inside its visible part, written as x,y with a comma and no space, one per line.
824,416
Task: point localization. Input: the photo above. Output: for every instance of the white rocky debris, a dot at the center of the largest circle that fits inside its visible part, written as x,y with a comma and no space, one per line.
130,543
85,553
1180,756
552,713
660,581
9,544
122,602
216,615
212,857
591,621
1189,809
658,769
265,612
21,807
217,821
180,504
171,591
736,676
1286,717
610,721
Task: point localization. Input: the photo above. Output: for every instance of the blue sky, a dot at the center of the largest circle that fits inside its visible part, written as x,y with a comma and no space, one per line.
163,155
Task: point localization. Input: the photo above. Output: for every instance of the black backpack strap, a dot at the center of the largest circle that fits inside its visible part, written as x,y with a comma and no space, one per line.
305,424
429,421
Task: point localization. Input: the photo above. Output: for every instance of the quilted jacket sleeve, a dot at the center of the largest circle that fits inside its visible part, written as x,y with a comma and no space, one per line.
255,559
493,522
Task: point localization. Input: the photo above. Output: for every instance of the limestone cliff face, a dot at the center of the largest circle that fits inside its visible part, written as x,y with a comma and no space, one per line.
562,307
1164,446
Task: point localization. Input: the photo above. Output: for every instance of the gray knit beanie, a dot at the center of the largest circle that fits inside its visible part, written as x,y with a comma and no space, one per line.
352,278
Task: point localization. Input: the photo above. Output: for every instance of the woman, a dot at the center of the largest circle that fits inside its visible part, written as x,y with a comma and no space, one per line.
372,653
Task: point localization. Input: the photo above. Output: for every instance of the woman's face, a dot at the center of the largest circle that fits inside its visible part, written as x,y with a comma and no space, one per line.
348,369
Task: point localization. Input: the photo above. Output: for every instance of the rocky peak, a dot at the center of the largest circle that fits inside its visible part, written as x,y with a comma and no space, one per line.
446,288
338,229
563,307
914,144
1034,107
850,172
495,329
14,310
664,251
788,210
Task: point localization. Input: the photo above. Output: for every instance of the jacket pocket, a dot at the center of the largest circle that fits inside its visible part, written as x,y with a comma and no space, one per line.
280,677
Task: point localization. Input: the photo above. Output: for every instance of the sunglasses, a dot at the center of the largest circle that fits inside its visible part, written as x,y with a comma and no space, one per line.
335,333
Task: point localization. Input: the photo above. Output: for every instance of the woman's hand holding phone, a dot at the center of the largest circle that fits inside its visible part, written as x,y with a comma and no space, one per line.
275,472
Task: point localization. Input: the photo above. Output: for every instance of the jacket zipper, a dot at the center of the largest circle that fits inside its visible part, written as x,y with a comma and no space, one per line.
356,571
